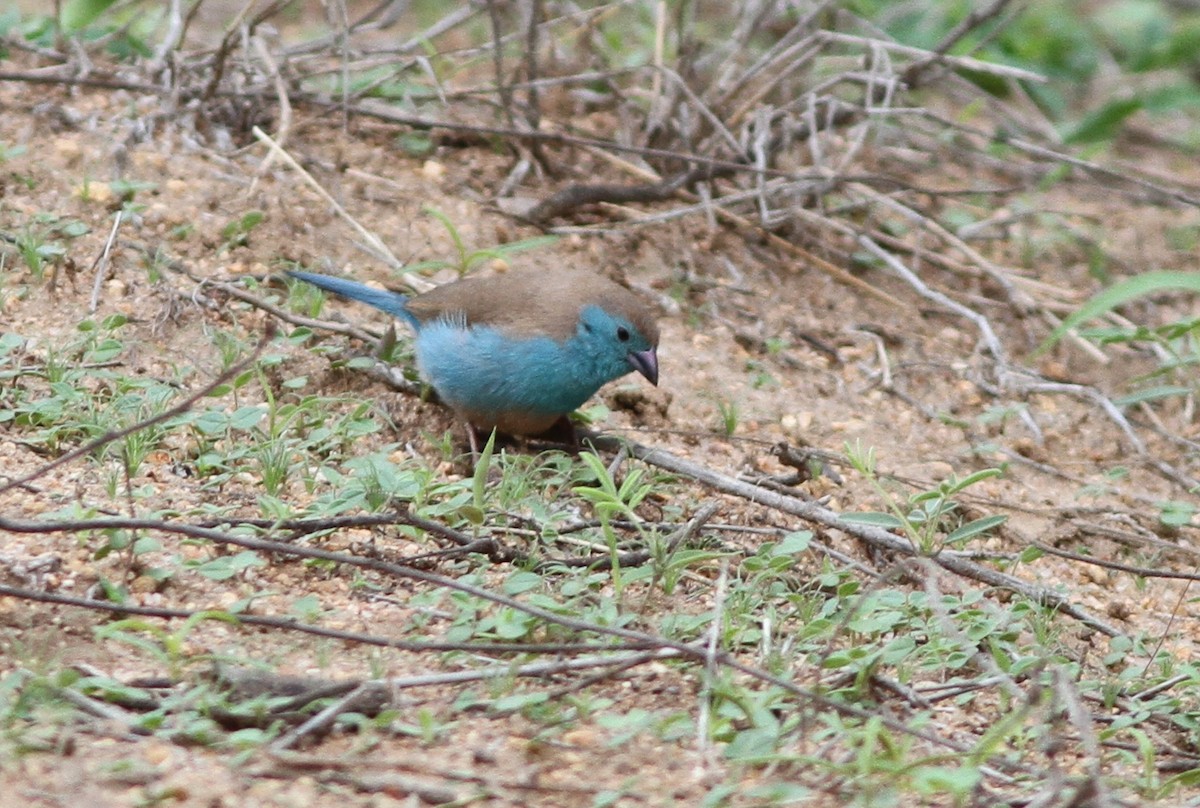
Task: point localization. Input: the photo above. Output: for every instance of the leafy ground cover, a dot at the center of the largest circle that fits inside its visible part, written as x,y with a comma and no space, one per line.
911,519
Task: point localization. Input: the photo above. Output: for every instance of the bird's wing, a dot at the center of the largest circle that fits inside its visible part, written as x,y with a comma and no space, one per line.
528,302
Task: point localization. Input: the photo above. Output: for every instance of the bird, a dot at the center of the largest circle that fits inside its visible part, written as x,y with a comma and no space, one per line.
518,352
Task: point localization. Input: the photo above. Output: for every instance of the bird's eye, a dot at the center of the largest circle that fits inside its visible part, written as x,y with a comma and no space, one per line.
623,333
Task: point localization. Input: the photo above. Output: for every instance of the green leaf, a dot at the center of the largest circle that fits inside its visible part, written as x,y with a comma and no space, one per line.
479,479
1031,554
146,544
755,743
78,14
519,701
415,144
522,581
1102,124
794,542
472,514
224,567
459,246
943,780
306,607
875,519
976,527
973,478
1153,394
242,226
246,417
1176,514
1140,286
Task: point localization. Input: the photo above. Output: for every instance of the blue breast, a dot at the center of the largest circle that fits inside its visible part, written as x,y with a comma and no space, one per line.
495,379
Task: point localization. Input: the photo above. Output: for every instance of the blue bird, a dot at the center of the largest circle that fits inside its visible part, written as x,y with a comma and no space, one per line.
519,351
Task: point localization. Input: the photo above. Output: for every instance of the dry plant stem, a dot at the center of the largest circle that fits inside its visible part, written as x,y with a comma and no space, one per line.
963,62
391,785
1094,353
374,20
373,242
372,109
543,82
873,536
502,88
222,52
780,53
647,640
1145,538
1158,188
393,376
1009,377
291,624
1132,569
603,560
796,58
928,576
720,128
307,527
346,329
321,720
419,762
660,40
532,97
378,565
1169,472
1022,301
172,37
101,263
342,26
1089,394
285,109
1067,695
703,736
100,709
966,25
987,334
577,195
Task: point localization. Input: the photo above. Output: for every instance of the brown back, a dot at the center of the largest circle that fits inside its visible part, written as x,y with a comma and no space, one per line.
533,302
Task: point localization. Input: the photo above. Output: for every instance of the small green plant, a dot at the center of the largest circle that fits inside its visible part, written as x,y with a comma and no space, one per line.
169,648
125,28
465,258
8,152
760,375
476,512
1178,342
931,519
611,500
237,232
41,243
728,412
1176,514
76,396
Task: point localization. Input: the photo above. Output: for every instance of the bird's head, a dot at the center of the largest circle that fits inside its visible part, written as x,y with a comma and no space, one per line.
620,339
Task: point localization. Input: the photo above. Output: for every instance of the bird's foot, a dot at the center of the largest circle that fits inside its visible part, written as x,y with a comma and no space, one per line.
562,434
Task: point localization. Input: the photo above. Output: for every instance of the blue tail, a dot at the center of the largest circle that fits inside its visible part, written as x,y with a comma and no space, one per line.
392,302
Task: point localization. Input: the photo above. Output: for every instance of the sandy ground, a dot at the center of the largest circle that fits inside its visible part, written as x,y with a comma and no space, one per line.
800,356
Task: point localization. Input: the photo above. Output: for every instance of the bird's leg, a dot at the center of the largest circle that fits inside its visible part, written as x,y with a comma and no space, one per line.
561,433
473,441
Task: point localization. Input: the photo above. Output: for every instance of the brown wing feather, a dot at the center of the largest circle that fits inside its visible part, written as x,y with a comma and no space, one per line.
531,302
